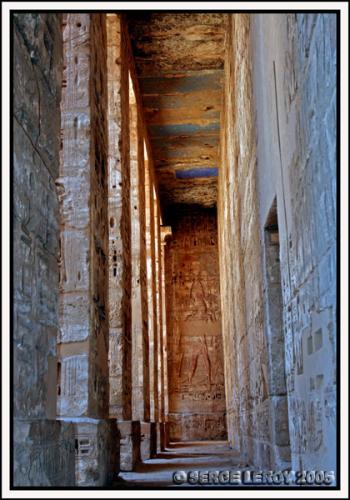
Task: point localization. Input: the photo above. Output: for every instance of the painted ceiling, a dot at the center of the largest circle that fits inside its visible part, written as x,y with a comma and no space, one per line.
179,61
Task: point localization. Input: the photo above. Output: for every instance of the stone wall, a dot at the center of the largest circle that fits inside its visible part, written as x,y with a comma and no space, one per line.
246,362
277,238
195,356
294,80
43,447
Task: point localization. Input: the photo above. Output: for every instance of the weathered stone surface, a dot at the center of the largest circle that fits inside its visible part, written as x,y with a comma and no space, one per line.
293,60
195,357
245,349
37,65
73,385
83,376
150,272
139,298
263,365
167,42
43,448
145,442
84,219
43,453
301,56
165,235
133,328
96,451
35,213
279,424
158,393
130,439
119,215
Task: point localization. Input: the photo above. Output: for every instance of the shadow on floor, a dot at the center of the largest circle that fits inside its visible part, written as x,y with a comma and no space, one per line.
158,472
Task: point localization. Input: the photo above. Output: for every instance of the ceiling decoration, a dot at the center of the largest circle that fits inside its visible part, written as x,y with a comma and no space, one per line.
179,60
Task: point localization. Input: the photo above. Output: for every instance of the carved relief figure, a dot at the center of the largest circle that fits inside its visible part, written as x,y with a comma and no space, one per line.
202,302
196,378
198,352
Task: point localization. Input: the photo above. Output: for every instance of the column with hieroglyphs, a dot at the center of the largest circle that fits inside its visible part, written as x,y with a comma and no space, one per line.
82,188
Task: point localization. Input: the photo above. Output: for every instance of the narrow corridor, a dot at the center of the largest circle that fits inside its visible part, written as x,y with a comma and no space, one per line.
174,245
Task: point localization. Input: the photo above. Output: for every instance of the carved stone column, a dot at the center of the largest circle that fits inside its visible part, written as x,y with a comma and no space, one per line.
139,294
123,252
149,447
140,383
82,186
119,291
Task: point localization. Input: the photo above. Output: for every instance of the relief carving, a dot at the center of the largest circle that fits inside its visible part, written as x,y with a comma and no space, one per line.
195,355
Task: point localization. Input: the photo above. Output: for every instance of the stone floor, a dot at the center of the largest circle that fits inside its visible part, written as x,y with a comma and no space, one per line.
186,456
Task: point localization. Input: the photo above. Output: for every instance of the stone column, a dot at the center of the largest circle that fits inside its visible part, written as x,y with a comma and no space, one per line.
161,316
154,235
119,224
158,312
83,339
139,298
151,298
123,151
165,233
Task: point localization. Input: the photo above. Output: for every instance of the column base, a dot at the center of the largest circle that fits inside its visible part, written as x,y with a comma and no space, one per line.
96,444
145,445
130,441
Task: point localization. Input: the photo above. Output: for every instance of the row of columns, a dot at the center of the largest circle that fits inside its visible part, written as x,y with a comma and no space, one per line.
141,251
112,345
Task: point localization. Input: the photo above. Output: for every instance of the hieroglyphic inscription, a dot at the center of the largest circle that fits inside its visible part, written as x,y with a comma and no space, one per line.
74,377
